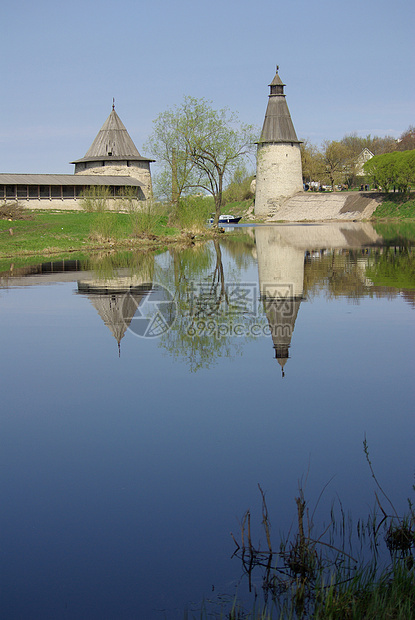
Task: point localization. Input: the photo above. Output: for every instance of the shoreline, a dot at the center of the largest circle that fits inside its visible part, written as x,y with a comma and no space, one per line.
49,234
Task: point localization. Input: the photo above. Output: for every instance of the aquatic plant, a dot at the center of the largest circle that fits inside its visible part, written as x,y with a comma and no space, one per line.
315,574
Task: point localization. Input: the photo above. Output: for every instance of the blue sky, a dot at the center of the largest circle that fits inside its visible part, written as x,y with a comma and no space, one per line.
348,67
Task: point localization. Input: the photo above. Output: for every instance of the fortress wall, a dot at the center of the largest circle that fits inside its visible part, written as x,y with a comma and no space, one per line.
67,204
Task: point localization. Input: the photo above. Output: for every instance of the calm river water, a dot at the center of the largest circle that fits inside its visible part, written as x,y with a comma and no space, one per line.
144,397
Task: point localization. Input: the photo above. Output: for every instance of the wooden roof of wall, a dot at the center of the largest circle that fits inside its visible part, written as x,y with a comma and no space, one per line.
67,179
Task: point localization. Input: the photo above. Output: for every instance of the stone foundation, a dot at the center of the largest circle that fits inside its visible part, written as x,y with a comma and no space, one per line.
68,204
324,207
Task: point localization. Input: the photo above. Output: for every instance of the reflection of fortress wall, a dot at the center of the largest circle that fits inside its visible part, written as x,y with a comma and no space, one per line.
281,280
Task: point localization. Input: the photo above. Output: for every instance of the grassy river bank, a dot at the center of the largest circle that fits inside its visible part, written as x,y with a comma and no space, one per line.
25,233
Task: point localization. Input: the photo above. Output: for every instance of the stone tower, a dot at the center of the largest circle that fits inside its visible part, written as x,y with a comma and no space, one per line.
113,153
279,172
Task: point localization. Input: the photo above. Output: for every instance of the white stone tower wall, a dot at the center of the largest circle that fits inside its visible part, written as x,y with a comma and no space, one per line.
278,175
140,171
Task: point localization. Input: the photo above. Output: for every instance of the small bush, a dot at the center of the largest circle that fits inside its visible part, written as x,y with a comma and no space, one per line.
95,199
13,211
193,212
145,216
103,226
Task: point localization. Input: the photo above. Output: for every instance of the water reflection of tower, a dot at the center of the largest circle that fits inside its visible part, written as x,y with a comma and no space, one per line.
281,281
117,297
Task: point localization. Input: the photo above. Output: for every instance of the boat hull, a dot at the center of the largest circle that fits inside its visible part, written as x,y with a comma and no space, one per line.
227,219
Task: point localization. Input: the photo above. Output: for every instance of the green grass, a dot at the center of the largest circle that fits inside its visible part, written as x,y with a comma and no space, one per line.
45,232
238,207
396,206
193,212
68,231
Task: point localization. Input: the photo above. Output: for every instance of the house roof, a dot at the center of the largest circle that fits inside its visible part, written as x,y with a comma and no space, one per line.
278,126
67,179
365,153
112,142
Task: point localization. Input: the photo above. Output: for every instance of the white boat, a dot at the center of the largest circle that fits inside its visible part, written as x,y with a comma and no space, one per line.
227,219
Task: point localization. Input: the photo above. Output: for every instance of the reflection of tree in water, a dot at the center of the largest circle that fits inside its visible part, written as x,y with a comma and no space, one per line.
338,273
380,272
395,266
194,337
241,247
105,265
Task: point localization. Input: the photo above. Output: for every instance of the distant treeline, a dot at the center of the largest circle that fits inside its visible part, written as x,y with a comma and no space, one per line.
341,162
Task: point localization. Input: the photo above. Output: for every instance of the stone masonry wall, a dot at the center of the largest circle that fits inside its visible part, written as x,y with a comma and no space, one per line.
69,204
278,176
137,172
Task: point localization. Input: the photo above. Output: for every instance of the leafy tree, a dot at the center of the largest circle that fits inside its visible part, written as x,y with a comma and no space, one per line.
376,145
405,169
217,143
169,148
200,147
356,144
239,187
311,160
381,170
392,170
337,159
407,140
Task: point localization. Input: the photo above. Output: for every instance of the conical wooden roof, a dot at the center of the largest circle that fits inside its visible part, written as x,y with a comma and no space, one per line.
278,126
113,139
112,142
